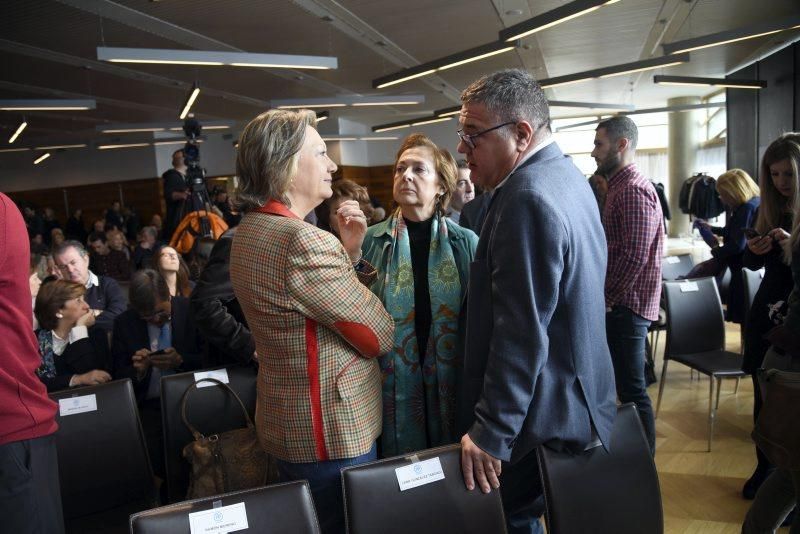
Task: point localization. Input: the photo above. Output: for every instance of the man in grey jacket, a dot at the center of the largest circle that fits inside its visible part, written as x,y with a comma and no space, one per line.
537,370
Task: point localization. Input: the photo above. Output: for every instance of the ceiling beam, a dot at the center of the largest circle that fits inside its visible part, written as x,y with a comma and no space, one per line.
356,28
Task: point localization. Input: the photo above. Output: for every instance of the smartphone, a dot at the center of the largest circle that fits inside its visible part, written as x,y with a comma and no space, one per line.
158,352
751,233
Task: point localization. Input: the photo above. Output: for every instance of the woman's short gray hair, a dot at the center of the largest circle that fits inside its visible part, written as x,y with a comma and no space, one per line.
510,95
269,150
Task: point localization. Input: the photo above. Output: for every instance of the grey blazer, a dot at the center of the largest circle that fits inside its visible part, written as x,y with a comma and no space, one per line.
537,367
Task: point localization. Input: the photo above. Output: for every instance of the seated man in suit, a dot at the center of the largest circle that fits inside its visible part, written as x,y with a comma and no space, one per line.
154,338
103,294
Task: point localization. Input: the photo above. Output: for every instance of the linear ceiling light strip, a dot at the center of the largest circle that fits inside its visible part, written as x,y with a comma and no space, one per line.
551,18
732,36
344,101
189,101
448,62
47,105
730,83
616,70
14,136
214,58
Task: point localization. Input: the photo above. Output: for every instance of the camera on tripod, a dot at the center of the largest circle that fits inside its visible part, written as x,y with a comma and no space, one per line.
195,174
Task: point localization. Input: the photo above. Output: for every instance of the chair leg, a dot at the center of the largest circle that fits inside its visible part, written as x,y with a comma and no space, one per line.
661,386
712,413
655,345
736,389
719,388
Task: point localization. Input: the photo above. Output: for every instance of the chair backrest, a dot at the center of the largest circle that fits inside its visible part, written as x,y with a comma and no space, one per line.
694,317
751,281
278,509
375,503
102,455
599,491
209,409
674,266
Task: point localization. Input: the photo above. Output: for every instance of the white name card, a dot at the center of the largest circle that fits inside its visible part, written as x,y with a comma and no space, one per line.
219,374
419,473
219,520
689,287
673,259
75,405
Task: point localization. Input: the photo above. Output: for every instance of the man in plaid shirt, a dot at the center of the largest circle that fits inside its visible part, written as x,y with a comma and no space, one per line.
633,224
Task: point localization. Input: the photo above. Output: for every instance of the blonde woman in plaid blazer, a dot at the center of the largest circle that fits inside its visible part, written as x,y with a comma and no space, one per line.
317,327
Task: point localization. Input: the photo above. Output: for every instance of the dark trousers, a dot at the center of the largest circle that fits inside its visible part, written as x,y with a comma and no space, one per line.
626,333
30,497
521,493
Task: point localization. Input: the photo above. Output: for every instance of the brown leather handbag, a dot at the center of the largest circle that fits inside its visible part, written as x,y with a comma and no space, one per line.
227,461
777,431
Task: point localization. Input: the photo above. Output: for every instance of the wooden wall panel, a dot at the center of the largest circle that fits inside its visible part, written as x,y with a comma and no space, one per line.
377,180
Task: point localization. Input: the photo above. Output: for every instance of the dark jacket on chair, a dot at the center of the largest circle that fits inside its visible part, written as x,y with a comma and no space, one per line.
130,335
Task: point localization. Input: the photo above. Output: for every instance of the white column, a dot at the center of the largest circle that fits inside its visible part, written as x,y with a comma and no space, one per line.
684,142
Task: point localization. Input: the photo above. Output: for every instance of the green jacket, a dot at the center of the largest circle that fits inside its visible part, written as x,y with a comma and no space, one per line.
376,250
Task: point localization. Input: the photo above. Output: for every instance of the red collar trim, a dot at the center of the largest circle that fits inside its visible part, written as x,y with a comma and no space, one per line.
273,207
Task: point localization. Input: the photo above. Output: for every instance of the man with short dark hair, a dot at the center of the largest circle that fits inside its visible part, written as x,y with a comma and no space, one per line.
106,261
154,338
536,366
176,191
103,294
632,221
463,193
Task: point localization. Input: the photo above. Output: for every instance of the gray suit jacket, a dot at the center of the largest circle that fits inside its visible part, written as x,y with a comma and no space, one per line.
537,367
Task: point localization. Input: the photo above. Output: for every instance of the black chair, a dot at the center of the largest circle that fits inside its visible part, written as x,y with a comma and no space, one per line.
696,338
278,509
673,267
598,491
209,409
103,466
374,503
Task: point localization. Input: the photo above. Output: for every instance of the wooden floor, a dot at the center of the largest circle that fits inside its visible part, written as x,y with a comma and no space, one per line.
702,490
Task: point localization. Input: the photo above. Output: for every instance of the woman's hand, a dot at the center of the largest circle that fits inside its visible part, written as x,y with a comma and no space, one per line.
91,378
87,319
352,228
779,234
760,245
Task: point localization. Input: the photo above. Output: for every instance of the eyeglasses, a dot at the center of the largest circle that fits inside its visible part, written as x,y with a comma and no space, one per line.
469,139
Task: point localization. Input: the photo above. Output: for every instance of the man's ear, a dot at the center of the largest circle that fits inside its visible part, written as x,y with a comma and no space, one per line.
622,144
523,135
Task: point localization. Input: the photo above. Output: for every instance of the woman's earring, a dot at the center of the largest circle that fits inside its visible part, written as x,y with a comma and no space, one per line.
59,316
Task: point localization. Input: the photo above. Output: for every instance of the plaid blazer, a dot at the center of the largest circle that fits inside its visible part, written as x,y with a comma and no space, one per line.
317,331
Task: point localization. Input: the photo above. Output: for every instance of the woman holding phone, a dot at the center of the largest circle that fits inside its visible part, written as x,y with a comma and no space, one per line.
739,193
772,226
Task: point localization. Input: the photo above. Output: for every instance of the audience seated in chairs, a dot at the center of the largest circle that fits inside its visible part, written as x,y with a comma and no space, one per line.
116,241
106,261
169,263
154,338
69,357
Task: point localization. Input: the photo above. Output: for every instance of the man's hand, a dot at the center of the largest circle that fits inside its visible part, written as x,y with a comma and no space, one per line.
141,362
91,378
352,228
170,359
476,464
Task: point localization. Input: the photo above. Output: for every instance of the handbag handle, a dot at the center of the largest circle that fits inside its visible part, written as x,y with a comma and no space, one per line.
185,397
